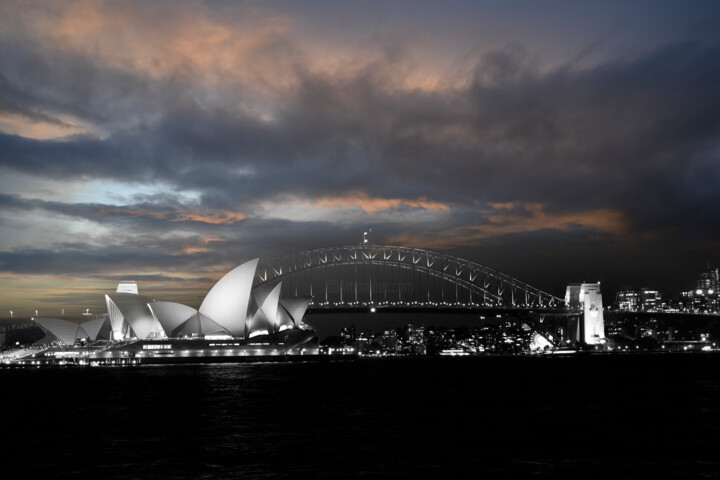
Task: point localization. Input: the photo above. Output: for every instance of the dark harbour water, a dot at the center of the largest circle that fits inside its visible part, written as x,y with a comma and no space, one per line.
652,416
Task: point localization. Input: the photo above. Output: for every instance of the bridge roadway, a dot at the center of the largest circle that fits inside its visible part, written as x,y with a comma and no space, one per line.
449,309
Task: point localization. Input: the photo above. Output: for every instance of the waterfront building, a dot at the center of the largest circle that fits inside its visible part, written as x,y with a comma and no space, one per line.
389,341
416,339
236,321
348,334
232,308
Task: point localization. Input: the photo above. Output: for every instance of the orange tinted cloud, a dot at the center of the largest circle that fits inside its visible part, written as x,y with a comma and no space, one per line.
216,218
251,45
203,245
251,50
518,217
161,40
376,204
15,124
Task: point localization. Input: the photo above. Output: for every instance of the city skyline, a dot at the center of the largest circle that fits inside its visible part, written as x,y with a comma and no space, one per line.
167,143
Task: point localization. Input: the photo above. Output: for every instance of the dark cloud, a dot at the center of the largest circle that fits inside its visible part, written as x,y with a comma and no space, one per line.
586,138
635,134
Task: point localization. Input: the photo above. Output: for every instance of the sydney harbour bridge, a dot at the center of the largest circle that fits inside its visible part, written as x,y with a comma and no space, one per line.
372,277
382,275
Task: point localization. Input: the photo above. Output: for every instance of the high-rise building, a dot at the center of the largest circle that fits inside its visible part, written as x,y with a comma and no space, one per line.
706,296
628,300
709,280
416,339
650,300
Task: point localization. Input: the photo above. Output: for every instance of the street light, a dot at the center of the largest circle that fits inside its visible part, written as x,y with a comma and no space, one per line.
365,234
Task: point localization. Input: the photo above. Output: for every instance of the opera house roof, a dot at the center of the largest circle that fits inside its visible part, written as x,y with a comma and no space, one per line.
232,307
66,332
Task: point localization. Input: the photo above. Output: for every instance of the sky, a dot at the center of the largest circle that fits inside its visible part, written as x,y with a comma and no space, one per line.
167,142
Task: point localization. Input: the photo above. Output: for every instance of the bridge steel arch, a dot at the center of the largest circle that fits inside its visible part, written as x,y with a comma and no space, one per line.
487,287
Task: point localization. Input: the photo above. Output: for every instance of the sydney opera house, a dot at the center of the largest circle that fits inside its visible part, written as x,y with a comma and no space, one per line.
236,321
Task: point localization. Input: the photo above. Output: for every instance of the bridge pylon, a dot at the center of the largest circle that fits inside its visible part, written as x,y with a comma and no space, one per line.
587,298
